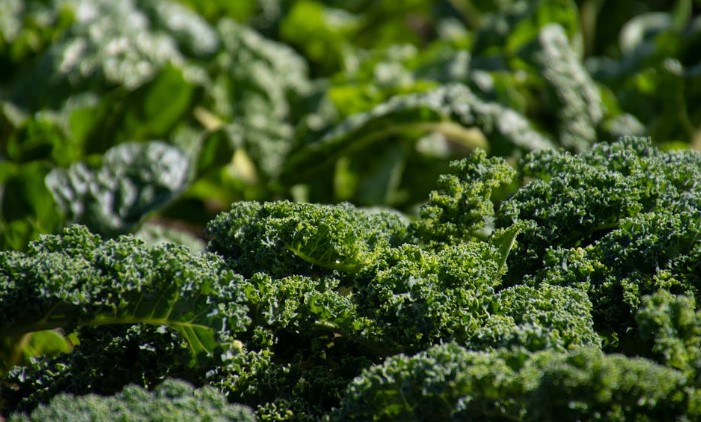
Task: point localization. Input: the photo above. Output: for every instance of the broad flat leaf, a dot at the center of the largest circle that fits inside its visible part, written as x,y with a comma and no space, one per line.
18,350
192,33
505,240
258,94
323,34
27,207
216,151
108,44
508,30
159,105
450,110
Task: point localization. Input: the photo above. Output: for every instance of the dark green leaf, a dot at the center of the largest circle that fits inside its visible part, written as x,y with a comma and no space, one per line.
133,180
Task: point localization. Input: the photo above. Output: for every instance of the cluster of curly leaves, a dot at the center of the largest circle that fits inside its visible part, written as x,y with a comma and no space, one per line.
566,288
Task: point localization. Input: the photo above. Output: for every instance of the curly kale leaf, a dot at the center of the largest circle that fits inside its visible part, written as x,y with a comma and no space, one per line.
670,325
430,385
285,238
619,221
154,234
133,180
545,318
405,300
377,288
414,298
396,297
307,340
173,400
586,384
577,199
462,207
299,387
449,382
418,297
75,279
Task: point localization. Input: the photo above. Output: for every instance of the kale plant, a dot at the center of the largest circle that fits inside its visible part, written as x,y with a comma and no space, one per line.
510,285
171,401
350,210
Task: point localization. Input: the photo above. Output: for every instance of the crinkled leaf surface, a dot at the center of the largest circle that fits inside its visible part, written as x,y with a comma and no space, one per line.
577,100
133,180
76,279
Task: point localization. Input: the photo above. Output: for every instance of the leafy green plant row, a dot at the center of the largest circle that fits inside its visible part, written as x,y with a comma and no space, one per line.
321,101
565,288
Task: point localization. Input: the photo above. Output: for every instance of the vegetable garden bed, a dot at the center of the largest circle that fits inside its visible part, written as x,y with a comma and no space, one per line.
322,210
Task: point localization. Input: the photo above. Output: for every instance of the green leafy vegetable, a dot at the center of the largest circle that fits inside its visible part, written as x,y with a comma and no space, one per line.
462,208
133,180
619,221
27,204
496,295
258,91
76,280
432,209
285,237
107,44
576,98
450,382
450,111
171,401
669,324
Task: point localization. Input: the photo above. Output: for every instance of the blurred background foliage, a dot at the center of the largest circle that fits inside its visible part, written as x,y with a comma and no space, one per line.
152,116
